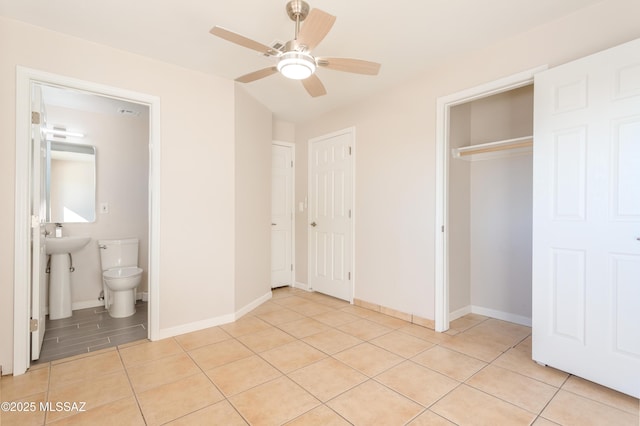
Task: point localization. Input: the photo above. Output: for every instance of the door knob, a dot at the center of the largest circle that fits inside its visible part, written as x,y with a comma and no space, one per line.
273,224
314,224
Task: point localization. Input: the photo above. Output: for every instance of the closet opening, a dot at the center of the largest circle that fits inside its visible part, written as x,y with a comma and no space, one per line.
489,206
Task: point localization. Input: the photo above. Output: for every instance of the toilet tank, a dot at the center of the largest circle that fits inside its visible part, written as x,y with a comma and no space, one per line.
118,253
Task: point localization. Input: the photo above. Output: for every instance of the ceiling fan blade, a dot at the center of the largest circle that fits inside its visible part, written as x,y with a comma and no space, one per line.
257,75
315,27
243,41
314,86
357,66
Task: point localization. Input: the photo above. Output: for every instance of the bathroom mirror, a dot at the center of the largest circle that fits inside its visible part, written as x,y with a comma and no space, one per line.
70,182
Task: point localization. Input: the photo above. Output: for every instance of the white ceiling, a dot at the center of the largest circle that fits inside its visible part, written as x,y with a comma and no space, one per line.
406,37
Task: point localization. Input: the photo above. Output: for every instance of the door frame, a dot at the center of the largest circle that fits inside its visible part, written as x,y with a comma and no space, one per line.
352,224
443,107
292,147
22,237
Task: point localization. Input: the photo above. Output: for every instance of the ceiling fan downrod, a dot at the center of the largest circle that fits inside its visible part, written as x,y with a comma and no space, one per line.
297,11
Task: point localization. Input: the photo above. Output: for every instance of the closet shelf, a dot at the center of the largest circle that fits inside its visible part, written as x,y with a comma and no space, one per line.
508,147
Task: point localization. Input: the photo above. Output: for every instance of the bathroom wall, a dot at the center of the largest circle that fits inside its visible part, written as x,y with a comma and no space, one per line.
122,182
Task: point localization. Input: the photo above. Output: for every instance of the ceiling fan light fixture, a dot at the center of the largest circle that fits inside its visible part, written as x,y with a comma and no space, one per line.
296,65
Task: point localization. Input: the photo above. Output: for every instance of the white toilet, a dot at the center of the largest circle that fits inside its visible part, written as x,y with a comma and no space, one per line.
120,275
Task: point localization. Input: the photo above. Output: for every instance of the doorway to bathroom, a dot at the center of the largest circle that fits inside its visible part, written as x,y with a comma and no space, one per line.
123,128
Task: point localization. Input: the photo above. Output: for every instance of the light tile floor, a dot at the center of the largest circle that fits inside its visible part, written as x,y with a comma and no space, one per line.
308,359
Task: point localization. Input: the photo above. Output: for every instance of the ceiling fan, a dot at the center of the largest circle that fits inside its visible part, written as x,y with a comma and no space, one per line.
295,60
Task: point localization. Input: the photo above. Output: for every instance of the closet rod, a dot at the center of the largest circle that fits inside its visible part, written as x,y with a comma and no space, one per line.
480,150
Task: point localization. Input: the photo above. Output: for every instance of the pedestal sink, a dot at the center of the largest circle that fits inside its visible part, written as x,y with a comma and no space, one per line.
59,273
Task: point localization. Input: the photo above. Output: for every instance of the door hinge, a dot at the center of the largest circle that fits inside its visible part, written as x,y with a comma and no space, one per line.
442,228
349,213
35,117
33,325
291,163
349,150
349,276
292,266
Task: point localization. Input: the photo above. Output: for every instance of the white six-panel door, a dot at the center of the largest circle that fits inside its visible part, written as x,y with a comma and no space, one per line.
281,215
586,219
38,256
330,214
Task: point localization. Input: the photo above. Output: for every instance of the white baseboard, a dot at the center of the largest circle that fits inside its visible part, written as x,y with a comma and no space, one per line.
459,313
301,286
504,316
84,304
251,306
492,313
163,333
212,322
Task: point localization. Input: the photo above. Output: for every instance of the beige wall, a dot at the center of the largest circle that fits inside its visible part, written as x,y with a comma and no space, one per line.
500,206
197,175
459,210
395,155
252,200
122,181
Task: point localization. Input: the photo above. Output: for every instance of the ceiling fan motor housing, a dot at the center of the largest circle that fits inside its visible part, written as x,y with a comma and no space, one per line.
297,10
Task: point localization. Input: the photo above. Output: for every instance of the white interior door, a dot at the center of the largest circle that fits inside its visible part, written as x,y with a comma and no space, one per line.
586,218
330,214
38,256
281,215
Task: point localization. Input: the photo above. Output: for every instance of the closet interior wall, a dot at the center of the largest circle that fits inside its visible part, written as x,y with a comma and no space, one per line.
490,209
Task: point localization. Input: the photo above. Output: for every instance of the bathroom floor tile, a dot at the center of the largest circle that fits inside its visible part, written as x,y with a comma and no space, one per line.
468,406
372,403
274,403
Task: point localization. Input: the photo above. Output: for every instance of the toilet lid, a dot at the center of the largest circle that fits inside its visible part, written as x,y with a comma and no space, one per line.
122,272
